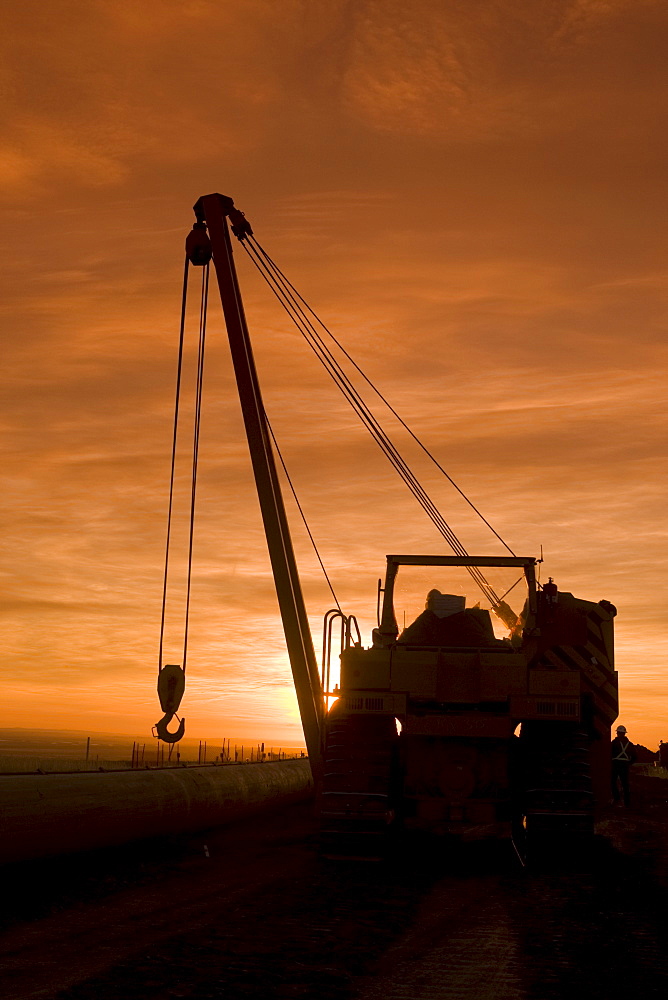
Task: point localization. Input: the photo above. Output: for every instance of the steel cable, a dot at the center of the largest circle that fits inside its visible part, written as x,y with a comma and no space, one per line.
274,266
301,511
344,384
179,369
290,300
195,455
196,430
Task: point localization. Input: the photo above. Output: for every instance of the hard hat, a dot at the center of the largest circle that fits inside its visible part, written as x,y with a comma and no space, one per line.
621,729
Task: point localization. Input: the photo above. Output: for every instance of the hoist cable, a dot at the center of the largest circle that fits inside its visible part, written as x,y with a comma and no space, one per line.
343,382
390,451
299,508
370,421
445,529
282,291
179,368
380,395
381,438
196,430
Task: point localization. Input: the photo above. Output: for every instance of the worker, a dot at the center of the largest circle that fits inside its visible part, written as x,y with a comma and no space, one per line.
623,755
663,754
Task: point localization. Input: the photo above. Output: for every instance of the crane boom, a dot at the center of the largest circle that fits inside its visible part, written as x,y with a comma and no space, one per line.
213,210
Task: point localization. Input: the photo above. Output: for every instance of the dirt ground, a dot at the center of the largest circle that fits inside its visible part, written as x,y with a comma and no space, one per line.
252,911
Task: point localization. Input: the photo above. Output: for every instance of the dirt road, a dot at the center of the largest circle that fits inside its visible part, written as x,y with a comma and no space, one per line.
251,911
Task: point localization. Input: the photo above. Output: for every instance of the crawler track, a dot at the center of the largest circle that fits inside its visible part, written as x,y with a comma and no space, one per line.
262,916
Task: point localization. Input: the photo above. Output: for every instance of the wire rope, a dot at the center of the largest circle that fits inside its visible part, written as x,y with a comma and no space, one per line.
195,455
301,511
274,266
375,429
196,431
283,291
397,460
179,370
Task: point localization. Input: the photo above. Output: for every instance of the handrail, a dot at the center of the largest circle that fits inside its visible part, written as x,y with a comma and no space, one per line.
348,625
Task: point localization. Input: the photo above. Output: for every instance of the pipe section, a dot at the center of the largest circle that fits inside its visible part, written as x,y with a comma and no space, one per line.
50,814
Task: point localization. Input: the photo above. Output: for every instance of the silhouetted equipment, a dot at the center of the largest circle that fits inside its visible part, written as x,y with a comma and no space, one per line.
421,735
453,764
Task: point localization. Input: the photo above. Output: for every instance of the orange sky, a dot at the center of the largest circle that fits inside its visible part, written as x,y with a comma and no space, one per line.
471,195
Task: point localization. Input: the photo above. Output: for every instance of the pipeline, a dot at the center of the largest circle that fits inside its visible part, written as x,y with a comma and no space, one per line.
44,815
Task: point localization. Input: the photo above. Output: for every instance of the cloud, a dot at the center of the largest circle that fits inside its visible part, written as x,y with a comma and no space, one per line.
98,90
492,71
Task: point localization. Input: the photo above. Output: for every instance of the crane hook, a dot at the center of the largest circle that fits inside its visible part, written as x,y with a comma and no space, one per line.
171,685
164,734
